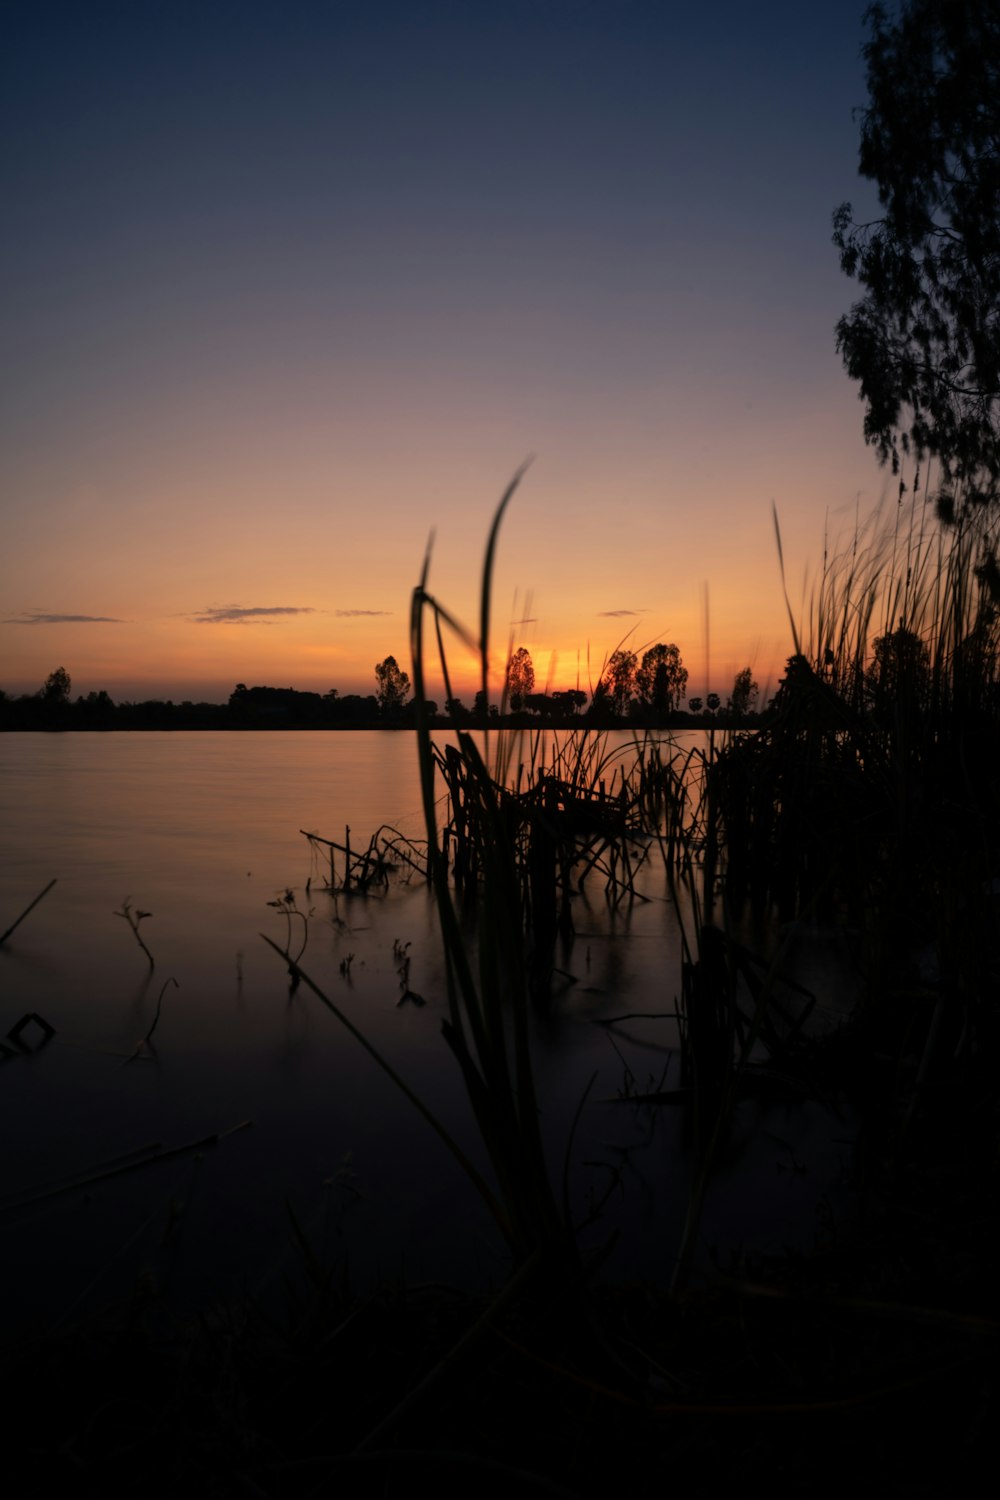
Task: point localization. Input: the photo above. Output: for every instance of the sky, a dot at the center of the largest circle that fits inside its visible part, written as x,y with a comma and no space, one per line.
290,287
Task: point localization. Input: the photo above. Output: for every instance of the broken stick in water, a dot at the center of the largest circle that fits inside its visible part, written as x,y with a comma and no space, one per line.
21,918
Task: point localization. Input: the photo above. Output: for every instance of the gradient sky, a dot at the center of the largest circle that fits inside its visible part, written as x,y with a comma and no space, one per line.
288,285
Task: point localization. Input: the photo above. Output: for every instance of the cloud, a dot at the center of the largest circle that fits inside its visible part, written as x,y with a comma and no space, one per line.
237,614
34,618
352,614
618,614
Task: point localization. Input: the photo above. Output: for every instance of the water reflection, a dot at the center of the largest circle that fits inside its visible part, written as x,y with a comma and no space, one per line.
202,831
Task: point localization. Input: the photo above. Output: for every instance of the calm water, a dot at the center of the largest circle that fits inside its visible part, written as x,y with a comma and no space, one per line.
202,831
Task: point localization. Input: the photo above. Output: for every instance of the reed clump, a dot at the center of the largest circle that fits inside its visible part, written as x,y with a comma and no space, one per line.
868,799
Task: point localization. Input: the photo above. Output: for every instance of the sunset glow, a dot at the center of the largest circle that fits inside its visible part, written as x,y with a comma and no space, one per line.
290,288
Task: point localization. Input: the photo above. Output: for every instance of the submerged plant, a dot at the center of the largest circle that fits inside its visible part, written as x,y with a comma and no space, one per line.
134,920
286,906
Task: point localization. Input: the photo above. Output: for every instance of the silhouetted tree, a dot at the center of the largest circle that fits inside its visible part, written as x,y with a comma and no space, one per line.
571,700
618,681
520,678
57,687
393,686
898,676
712,703
661,681
695,705
744,695
924,342
541,703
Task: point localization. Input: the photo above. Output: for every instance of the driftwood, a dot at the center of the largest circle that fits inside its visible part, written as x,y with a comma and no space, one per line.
21,918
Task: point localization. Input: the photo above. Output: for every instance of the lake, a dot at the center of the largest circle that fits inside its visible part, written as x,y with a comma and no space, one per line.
202,830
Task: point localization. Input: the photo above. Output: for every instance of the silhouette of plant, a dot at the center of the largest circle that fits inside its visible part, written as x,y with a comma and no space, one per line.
661,681
393,687
520,678
134,920
744,695
57,686
924,340
286,906
619,680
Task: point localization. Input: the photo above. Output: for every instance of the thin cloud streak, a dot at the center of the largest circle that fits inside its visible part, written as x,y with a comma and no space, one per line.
236,614
40,619
353,614
618,614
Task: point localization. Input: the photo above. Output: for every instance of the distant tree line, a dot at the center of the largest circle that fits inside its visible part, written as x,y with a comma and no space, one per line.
630,691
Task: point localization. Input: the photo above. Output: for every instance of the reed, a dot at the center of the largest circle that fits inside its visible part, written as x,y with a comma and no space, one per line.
868,798
488,1024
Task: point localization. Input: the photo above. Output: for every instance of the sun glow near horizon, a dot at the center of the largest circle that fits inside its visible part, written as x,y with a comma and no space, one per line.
320,643
283,303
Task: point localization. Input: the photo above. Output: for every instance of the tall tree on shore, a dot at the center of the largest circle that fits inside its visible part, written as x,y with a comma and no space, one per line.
520,678
619,680
57,686
744,694
661,680
924,341
392,687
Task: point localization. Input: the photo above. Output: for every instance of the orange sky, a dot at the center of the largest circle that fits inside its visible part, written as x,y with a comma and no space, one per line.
284,302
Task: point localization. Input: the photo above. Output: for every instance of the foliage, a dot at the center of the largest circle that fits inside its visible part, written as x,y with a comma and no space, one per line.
618,680
520,678
457,711
924,342
57,686
393,687
569,701
713,702
899,674
744,695
661,681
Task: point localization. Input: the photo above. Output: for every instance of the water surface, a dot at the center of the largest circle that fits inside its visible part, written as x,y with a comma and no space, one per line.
202,831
